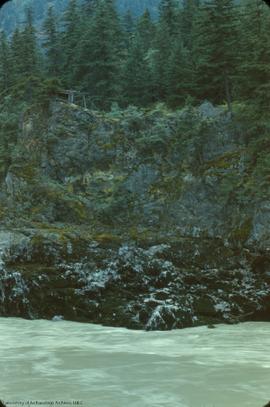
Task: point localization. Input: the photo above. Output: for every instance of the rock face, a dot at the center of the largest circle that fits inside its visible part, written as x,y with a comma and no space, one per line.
185,283
142,219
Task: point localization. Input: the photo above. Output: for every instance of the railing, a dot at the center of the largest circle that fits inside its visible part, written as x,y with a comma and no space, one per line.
73,96
83,99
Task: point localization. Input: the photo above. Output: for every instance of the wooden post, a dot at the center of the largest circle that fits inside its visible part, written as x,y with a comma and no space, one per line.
84,102
72,96
228,94
79,98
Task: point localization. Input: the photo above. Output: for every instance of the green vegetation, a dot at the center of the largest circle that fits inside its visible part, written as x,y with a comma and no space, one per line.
211,50
145,78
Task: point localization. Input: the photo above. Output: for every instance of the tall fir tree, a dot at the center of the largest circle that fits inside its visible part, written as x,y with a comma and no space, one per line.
17,56
134,74
168,16
181,75
187,19
5,63
167,29
24,53
216,51
26,60
138,72
101,55
30,63
128,27
128,23
254,56
89,7
146,30
70,40
51,44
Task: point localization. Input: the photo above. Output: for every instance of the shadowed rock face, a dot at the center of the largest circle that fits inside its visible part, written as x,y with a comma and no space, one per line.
134,218
185,283
172,174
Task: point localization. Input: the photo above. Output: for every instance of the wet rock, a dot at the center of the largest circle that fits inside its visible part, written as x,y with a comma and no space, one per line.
130,285
205,306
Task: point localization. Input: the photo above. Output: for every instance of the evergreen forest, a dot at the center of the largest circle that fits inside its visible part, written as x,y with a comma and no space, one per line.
215,50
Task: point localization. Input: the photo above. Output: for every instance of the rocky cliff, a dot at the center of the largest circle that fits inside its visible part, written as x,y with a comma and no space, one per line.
139,218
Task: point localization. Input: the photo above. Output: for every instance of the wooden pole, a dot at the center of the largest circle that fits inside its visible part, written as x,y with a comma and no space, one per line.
84,101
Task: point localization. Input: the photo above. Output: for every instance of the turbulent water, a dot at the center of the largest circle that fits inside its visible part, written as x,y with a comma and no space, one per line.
68,363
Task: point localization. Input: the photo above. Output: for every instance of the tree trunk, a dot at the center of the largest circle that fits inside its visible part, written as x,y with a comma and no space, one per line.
228,94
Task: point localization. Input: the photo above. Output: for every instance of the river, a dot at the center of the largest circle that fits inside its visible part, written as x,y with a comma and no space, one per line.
68,363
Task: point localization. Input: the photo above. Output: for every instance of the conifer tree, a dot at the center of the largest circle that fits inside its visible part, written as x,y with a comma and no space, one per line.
25,58
165,34
146,30
89,7
30,62
138,72
5,63
254,56
128,23
24,53
128,27
134,74
17,54
168,16
187,21
70,40
180,74
101,55
216,51
51,44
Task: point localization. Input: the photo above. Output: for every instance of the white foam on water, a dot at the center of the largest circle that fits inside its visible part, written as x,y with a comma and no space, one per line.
113,367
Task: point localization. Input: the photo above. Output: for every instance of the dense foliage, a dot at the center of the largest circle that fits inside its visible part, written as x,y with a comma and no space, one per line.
215,50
